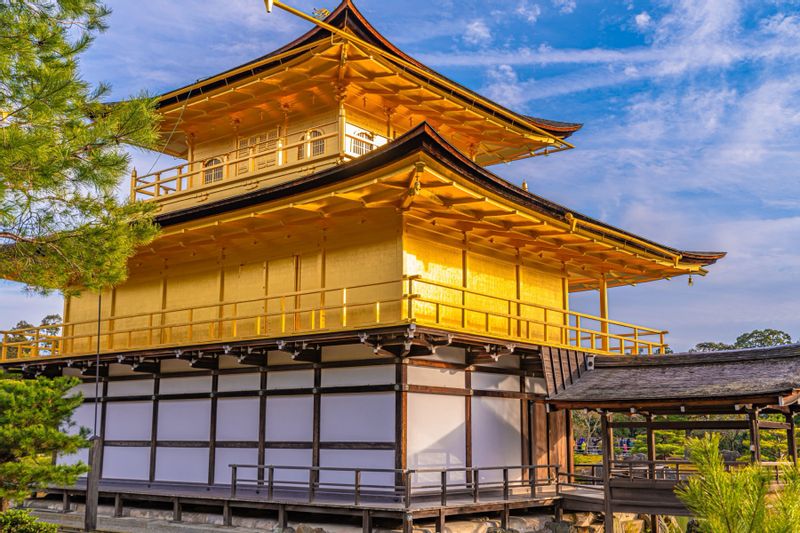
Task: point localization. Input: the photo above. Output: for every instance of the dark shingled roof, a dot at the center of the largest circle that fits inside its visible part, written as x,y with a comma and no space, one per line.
731,374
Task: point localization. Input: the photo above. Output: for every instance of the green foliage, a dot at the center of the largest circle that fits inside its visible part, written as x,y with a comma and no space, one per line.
20,521
738,500
21,336
758,338
61,153
33,417
587,459
669,443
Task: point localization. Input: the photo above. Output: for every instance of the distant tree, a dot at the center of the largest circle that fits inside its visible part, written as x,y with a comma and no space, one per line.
20,333
738,500
758,338
669,443
61,155
34,414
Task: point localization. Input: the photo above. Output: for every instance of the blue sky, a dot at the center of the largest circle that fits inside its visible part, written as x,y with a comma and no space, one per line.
691,111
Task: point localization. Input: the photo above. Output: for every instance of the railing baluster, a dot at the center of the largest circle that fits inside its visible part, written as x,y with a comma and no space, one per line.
311,480
505,484
444,487
407,489
357,487
476,485
270,482
344,307
233,481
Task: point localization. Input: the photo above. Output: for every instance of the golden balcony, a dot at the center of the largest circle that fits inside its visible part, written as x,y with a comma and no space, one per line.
412,299
261,159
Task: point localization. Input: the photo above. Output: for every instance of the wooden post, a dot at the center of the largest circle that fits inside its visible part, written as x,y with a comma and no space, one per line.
651,457
608,456
791,440
755,444
604,313
92,484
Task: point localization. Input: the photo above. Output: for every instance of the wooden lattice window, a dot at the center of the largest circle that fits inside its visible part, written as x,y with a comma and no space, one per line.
213,170
311,141
363,144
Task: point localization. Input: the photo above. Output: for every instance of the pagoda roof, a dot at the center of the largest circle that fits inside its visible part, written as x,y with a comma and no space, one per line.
424,140
348,18
766,375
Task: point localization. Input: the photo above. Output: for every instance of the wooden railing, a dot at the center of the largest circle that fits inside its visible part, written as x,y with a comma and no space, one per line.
275,156
473,311
410,299
460,485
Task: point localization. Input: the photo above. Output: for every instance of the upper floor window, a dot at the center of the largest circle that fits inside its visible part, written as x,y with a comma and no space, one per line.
212,170
363,143
311,142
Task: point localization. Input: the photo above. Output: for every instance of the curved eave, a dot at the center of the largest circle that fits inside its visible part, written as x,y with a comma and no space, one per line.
424,138
347,16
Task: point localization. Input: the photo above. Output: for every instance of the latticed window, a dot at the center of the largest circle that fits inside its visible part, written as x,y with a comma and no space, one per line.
361,147
213,170
313,143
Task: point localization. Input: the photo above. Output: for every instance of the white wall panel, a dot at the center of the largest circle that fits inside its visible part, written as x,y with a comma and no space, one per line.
184,385
237,419
364,375
182,464
83,416
436,433
237,382
129,420
496,437
184,419
126,463
435,377
136,387
73,458
358,459
367,417
228,456
486,381
535,385
289,418
87,389
290,379
281,457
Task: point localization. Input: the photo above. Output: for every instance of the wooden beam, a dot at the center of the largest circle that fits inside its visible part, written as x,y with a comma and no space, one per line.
608,457
791,439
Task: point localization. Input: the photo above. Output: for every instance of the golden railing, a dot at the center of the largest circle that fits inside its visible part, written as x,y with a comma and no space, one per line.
410,299
270,156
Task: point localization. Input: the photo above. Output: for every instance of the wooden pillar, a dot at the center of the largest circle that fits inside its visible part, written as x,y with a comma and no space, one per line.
791,440
755,441
317,425
262,421
400,422
154,429
570,441
651,457
212,433
608,457
604,312
93,484
468,423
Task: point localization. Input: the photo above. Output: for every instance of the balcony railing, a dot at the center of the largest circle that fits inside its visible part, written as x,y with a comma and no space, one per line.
272,156
410,299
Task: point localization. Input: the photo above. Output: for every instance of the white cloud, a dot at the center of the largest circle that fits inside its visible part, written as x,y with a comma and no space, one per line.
504,87
529,12
643,20
565,6
477,33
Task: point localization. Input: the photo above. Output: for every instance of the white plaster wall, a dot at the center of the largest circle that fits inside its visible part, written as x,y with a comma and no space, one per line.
284,457
289,418
184,419
129,420
496,439
83,416
73,458
436,434
239,382
290,379
486,381
137,387
357,417
184,385
126,463
448,354
237,419
436,377
365,375
535,385
87,389
358,459
228,456
182,464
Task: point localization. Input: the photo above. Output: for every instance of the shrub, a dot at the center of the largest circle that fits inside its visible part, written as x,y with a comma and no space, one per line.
20,521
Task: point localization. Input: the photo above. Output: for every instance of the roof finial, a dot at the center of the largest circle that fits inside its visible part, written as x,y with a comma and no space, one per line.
524,185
